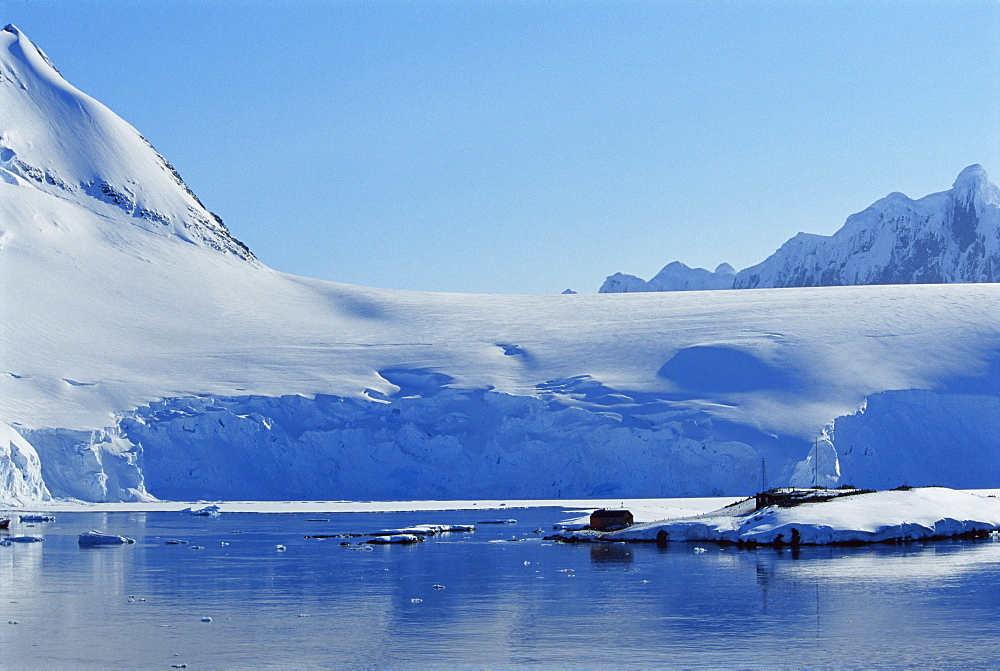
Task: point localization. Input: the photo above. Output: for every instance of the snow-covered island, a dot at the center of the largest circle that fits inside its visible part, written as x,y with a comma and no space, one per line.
823,517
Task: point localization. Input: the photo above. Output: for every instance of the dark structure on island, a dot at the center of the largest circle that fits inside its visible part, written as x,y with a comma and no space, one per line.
789,497
610,520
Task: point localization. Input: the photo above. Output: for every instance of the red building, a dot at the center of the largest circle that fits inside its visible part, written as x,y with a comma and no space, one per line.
610,520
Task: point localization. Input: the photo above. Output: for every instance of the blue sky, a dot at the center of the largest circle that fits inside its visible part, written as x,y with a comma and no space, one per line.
527,147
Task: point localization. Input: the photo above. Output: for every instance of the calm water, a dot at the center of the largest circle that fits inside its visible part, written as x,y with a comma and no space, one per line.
524,603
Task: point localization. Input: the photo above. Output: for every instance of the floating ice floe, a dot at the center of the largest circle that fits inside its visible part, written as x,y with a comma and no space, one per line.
174,541
207,511
824,518
397,539
425,530
21,539
498,522
38,518
94,537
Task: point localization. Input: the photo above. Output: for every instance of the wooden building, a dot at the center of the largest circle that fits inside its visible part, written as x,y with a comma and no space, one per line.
610,520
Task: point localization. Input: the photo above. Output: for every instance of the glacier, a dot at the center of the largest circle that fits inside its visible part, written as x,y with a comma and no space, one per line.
146,353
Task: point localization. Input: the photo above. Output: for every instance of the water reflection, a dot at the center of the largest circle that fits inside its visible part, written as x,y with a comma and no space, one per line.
611,553
926,562
465,600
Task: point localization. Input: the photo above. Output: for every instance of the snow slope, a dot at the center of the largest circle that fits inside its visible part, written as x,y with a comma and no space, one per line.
153,355
947,237
67,144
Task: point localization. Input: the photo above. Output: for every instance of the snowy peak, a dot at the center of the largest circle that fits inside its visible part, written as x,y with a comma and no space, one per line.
23,41
675,276
947,237
56,139
972,183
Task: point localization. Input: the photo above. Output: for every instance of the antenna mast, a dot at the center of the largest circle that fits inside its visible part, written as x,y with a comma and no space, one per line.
816,463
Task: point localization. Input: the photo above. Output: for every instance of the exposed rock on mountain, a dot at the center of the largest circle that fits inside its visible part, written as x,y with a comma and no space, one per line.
944,238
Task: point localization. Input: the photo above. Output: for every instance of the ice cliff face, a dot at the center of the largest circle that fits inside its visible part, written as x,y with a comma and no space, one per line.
453,444
20,469
943,238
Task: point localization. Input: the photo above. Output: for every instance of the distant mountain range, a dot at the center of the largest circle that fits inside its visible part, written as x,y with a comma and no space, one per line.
945,238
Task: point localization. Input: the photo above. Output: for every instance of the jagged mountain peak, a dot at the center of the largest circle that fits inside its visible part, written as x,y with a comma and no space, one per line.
948,237
971,177
56,139
974,184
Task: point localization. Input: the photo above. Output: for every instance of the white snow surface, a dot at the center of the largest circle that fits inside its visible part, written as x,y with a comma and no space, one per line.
145,353
862,518
64,143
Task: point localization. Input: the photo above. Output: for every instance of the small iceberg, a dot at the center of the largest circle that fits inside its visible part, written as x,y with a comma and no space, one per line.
207,511
425,530
93,537
22,539
38,518
397,539
499,522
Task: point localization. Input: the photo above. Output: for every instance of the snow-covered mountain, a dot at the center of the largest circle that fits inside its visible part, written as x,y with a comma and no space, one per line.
675,276
145,352
68,145
947,237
